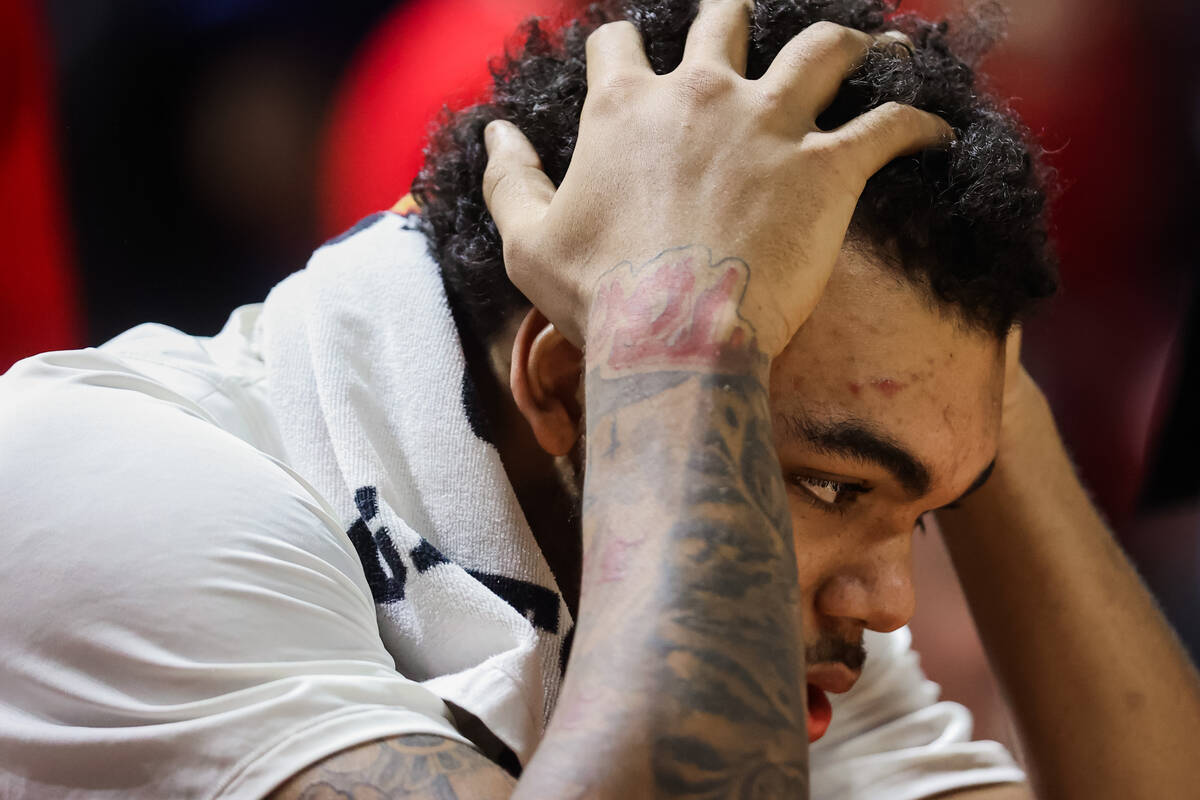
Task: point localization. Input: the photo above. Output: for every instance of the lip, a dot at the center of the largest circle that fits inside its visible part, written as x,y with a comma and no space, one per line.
820,713
832,677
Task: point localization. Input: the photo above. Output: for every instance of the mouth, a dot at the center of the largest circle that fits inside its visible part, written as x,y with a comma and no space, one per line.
822,678
820,713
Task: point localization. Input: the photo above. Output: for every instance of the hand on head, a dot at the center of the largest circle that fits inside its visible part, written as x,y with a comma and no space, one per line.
700,156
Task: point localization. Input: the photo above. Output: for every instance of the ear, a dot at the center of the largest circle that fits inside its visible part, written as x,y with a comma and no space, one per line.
545,378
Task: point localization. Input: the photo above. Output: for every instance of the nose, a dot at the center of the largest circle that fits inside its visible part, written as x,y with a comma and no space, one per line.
875,589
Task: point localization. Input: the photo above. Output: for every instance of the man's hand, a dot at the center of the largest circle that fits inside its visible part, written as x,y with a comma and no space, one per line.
700,156
1023,400
1106,700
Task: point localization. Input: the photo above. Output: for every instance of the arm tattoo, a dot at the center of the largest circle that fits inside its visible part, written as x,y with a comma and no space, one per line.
727,602
689,562
414,767
678,311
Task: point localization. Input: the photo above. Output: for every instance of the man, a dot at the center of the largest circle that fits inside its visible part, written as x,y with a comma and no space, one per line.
272,562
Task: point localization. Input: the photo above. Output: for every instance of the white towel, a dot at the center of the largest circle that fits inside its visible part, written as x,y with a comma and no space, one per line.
366,373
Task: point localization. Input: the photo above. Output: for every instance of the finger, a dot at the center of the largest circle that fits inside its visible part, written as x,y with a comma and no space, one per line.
515,189
720,34
895,42
871,140
810,69
1012,354
615,49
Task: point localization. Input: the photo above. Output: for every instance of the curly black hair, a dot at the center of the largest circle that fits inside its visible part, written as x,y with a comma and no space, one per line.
969,223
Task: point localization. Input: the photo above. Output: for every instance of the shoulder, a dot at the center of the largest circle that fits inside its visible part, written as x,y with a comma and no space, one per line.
178,608
105,470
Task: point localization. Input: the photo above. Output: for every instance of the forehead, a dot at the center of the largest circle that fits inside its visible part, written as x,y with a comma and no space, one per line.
878,350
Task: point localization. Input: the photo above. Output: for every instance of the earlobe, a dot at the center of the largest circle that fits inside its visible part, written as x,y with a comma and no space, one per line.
545,376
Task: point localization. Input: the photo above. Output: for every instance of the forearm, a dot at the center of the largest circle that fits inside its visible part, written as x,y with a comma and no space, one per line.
685,676
1106,699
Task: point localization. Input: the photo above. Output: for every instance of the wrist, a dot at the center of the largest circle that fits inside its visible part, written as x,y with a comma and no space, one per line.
1026,415
677,312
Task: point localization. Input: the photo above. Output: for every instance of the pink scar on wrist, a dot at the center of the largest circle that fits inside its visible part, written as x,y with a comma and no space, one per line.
678,309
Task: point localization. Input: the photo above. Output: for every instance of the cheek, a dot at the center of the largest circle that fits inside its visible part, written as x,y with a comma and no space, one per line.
818,537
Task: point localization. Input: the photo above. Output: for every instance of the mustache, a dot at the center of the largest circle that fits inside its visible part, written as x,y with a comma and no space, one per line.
831,650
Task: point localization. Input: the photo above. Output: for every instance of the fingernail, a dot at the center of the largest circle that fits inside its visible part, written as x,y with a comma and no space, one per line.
896,38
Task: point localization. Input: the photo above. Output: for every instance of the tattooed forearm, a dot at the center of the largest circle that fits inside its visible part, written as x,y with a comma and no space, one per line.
415,767
688,640
727,638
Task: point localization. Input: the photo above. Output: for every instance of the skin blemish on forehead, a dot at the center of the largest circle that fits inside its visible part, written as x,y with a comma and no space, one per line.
855,388
888,387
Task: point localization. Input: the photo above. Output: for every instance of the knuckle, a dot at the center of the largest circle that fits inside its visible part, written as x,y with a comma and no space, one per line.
494,174
623,27
893,115
854,39
512,254
823,29
886,116
772,99
611,30
828,35
701,84
598,36
614,75
832,157
619,82
611,36
895,110
825,153
516,254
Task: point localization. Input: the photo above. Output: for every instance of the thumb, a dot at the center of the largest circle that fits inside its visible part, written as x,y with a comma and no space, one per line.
515,188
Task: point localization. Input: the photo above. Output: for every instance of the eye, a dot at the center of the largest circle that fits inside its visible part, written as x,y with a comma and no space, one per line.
823,490
829,494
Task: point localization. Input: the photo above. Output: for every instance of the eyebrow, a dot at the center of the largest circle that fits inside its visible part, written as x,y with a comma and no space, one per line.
861,441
